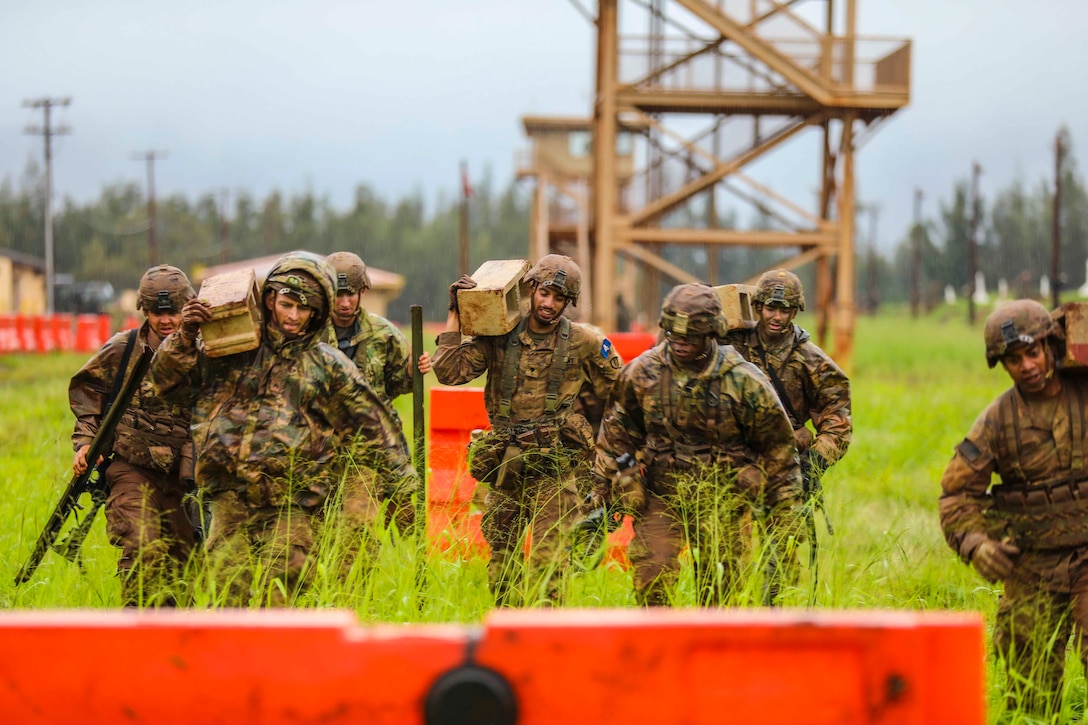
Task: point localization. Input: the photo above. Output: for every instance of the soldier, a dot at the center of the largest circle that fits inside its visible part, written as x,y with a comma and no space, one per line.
151,469
371,341
1030,529
692,436
537,446
279,428
808,382
382,355
810,385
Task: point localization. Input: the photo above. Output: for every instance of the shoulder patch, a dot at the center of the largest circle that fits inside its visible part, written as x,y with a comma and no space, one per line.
606,348
968,450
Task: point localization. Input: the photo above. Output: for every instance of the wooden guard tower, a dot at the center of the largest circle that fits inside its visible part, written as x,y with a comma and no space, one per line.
709,88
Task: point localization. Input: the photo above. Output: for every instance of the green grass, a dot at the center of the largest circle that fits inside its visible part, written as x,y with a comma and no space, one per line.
917,387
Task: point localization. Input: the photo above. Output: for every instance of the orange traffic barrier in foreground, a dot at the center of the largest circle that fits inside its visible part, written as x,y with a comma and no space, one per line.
530,667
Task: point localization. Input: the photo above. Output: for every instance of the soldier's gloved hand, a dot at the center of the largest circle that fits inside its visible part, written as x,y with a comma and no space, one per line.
195,313
465,282
803,438
993,560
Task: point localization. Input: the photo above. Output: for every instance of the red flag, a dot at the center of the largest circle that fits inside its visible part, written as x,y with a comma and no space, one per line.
466,185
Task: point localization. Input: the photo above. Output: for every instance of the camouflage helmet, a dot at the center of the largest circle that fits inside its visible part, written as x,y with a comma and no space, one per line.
164,288
693,309
306,277
780,288
350,270
559,271
1020,322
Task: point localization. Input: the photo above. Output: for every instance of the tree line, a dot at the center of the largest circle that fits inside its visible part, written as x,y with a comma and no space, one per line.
107,238
1013,236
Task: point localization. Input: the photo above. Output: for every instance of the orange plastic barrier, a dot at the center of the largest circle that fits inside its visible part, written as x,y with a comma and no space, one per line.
451,524
24,329
529,667
632,344
45,339
64,332
9,335
455,413
92,331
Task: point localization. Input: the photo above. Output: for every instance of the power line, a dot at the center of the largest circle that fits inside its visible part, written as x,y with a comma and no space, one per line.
47,131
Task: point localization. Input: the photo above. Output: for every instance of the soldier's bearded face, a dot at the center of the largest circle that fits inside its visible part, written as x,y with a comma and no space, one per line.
776,320
164,322
1029,366
547,306
347,304
289,315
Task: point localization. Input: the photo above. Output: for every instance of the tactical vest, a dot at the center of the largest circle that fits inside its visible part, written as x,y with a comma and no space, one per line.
1051,514
676,451
560,359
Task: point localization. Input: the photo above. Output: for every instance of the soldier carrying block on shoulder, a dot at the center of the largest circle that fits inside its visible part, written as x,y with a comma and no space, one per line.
537,447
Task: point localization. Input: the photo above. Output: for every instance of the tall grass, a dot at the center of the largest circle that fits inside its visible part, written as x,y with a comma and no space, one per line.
917,387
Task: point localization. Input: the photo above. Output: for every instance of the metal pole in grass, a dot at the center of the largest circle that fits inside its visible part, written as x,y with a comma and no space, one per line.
419,438
420,450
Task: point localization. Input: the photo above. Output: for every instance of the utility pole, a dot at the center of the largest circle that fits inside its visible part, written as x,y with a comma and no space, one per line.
972,243
916,256
152,223
224,225
1056,226
47,131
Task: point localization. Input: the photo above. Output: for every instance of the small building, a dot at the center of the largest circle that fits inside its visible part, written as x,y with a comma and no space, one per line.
384,286
22,283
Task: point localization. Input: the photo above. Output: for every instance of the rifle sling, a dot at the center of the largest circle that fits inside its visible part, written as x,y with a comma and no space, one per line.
779,387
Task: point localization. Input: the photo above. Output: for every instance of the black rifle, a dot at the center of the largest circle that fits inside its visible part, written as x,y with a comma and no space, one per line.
92,481
813,466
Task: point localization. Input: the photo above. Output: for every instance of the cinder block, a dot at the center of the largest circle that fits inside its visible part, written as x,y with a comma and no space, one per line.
1073,318
493,306
236,313
737,305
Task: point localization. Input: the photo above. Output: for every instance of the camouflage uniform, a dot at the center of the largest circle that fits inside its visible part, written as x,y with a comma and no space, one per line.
1037,449
536,451
374,343
277,430
816,388
151,469
709,443
380,351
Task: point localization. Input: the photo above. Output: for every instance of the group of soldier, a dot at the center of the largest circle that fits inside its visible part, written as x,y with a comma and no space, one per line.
296,442
713,442
290,443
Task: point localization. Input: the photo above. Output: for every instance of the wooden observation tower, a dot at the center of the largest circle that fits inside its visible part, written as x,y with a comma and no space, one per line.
691,95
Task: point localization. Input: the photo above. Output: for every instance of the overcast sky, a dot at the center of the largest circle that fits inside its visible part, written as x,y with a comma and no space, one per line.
327,94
